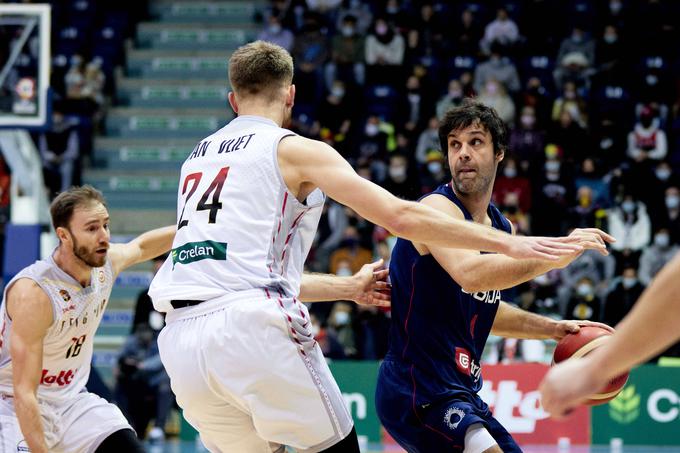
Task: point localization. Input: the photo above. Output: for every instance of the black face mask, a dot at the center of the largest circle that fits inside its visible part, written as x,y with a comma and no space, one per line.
646,122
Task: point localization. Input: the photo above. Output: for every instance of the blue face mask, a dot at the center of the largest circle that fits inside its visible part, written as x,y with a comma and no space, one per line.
628,282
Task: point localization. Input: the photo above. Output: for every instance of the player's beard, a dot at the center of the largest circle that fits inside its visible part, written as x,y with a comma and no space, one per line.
88,257
468,186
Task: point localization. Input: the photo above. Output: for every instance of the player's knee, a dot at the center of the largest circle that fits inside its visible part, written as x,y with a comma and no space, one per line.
122,440
479,440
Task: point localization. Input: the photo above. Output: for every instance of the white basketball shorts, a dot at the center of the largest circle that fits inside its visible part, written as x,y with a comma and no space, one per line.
250,376
78,425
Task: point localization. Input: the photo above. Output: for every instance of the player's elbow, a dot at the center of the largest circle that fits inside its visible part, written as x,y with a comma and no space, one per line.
401,221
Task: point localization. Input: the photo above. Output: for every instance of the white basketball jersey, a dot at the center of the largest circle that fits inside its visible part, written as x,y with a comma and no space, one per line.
67,347
238,226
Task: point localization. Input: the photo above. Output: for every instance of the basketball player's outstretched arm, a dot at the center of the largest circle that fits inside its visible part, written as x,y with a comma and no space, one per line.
651,326
367,287
144,247
306,164
30,310
476,272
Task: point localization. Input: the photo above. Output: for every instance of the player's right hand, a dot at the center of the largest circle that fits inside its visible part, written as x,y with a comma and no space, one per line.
589,239
537,247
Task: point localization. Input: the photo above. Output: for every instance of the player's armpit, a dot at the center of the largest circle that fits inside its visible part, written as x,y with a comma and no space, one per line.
31,312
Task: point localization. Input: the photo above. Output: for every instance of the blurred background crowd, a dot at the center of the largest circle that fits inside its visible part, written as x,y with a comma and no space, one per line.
589,90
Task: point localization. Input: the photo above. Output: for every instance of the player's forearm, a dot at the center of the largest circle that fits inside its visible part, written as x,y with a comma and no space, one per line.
28,414
423,224
488,272
326,288
155,242
649,328
516,323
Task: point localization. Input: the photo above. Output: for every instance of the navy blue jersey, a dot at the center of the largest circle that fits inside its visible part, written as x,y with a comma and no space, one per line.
438,330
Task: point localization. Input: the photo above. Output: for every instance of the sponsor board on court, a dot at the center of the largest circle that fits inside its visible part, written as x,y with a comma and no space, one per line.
646,412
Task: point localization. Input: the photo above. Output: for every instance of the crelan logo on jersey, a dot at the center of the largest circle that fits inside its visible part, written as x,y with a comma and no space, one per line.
197,251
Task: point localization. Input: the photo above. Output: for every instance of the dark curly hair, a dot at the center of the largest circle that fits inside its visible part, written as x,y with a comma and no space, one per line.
470,113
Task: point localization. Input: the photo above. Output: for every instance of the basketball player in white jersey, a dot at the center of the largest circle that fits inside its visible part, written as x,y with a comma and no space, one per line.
651,326
48,318
237,345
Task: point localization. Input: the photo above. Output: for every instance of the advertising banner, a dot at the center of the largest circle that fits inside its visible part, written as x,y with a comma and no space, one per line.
512,393
646,412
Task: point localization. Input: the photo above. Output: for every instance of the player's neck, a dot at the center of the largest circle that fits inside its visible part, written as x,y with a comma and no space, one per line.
268,111
476,203
73,266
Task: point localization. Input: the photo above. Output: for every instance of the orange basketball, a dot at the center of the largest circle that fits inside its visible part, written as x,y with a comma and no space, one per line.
582,343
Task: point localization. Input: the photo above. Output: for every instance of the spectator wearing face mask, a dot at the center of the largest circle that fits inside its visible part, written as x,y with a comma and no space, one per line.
494,95
347,54
427,140
373,142
671,212
647,141
622,297
573,103
656,255
610,56
527,141
584,304
401,180
350,251
629,223
327,340
590,177
553,192
570,136
335,117
575,58
502,30
511,181
340,323
275,33
452,99
384,52
498,68
414,107
586,213
434,172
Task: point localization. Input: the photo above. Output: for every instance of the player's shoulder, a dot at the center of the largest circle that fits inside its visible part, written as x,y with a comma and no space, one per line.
442,203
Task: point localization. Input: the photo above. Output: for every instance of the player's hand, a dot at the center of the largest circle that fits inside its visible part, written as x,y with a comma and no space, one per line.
563,328
372,287
568,384
592,238
545,248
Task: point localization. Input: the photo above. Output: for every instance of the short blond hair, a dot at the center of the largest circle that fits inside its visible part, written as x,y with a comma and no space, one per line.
260,67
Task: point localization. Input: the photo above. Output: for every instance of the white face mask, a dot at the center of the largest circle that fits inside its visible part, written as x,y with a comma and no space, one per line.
552,166
527,120
315,330
610,38
156,320
338,92
672,201
397,172
381,29
628,282
344,272
275,28
662,240
663,174
434,167
491,88
510,172
628,206
584,289
341,318
347,31
372,130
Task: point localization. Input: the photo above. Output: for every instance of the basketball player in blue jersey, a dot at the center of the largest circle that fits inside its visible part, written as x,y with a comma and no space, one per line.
446,302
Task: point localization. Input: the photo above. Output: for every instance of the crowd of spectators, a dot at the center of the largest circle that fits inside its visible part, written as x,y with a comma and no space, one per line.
594,129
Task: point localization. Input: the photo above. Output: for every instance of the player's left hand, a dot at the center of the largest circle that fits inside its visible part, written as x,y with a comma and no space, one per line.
372,287
563,328
568,384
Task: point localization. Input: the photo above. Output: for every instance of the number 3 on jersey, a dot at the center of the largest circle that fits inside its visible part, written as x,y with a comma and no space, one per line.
215,189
